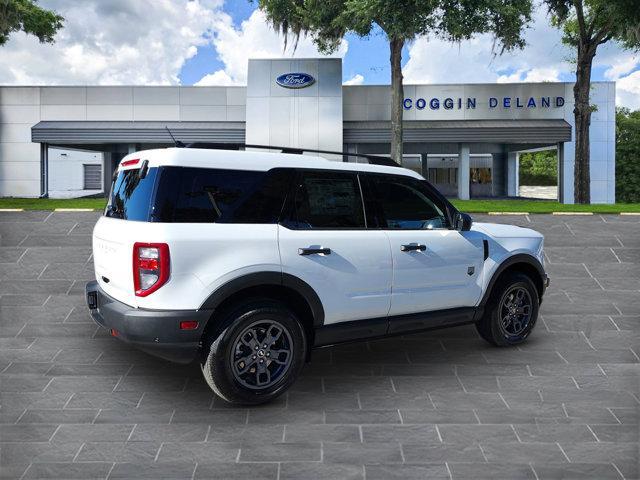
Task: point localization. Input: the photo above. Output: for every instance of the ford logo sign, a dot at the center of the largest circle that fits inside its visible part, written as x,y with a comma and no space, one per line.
295,80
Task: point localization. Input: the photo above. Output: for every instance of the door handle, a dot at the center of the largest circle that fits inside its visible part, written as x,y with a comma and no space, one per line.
411,247
314,251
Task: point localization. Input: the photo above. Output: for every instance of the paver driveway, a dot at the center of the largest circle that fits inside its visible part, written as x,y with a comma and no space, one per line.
79,404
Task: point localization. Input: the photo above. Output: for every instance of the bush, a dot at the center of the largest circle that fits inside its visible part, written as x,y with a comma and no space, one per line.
539,168
627,156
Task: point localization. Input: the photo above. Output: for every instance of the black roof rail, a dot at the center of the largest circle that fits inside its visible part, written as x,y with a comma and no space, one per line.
373,159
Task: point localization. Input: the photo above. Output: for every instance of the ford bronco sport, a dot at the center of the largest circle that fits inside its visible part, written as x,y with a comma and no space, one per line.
245,261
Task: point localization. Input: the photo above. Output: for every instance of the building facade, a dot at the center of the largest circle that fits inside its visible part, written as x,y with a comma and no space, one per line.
466,139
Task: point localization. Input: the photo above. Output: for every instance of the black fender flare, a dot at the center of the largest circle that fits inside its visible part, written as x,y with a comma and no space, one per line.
258,279
509,262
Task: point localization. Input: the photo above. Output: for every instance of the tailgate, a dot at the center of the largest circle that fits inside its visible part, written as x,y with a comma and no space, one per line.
113,259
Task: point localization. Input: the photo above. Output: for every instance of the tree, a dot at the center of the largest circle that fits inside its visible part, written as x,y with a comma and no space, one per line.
327,21
539,168
28,17
587,24
627,155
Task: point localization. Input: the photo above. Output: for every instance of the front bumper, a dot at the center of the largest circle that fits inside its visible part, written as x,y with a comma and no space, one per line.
154,331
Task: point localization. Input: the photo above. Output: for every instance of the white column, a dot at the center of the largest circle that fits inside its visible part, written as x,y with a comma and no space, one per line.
513,165
562,190
131,148
463,171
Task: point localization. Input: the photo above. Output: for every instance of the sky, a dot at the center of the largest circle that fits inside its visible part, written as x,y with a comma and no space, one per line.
208,42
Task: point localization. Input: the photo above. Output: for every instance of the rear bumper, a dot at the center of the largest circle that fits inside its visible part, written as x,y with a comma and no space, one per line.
156,332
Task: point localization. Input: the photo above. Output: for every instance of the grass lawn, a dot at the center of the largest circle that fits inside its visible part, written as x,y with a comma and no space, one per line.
50,203
538,206
469,206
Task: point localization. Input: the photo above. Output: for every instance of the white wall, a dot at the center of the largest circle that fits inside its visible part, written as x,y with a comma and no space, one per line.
19,158
66,172
308,117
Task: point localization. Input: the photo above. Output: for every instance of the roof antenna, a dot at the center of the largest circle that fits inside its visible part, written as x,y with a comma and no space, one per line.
177,143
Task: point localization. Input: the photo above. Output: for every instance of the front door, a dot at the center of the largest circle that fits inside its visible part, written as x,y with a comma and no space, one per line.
434,267
324,241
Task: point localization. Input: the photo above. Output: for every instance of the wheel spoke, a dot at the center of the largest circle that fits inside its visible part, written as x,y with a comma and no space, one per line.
277,354
263,371
247,366
271,338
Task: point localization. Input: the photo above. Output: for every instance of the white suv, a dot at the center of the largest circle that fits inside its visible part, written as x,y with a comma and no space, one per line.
247,260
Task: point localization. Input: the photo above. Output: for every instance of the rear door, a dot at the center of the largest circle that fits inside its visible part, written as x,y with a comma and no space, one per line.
324,241
434,267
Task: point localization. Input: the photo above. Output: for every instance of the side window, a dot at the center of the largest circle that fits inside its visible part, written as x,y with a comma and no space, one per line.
326,200
201,195
406,204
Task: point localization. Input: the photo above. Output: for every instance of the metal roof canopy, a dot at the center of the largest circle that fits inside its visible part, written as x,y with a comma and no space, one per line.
79,132
453,131
429,131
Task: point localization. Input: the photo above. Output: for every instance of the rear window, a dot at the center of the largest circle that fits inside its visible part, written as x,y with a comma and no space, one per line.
199,195
131,195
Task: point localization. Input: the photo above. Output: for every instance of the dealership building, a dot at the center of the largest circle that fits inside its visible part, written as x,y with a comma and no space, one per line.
465,138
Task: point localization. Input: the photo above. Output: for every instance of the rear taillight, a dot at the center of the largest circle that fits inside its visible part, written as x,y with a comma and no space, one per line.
150,267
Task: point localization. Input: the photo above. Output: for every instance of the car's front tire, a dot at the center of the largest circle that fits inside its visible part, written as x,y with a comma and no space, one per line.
511,311
257,356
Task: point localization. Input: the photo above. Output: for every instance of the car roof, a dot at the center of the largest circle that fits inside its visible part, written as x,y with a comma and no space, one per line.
251,160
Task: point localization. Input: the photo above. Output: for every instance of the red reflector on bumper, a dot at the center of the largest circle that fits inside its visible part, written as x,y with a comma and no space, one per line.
114,332
189,325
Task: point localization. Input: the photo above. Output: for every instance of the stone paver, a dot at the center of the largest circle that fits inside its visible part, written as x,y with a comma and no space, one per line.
76,403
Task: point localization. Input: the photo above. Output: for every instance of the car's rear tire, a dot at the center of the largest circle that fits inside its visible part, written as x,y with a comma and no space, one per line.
511,311
257,356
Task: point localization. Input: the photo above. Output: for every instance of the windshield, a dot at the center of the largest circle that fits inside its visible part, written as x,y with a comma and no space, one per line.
130,197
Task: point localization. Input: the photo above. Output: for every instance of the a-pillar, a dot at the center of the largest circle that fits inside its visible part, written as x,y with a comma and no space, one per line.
513,166
463,171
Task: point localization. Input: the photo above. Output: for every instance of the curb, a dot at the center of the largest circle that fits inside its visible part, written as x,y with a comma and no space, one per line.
11,209
630,214
74,210
571,213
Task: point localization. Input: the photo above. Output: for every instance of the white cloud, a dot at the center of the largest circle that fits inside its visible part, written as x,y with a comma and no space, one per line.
628,91
436,61
253,39
622,65
114,42
357,79
219,77
531,75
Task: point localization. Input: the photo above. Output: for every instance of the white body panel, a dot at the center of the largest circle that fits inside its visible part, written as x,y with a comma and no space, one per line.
436,278
354,281
203,257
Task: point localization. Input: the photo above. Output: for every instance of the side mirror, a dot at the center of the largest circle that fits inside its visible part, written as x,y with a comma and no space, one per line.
463,222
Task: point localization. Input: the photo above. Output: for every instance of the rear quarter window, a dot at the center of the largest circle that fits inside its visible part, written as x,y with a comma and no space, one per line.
131,196
202,195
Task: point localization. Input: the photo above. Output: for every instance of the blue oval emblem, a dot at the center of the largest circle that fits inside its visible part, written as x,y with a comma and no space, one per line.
295,80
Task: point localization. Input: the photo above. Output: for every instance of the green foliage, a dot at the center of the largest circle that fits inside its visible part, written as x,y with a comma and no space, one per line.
327,21
28,17
539,168
627,155
597,21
